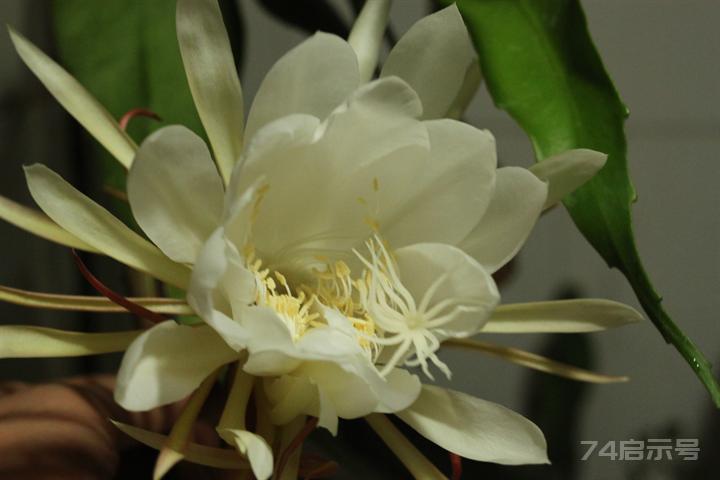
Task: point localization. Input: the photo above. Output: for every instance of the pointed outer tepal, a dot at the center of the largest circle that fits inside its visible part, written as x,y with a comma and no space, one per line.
453,191
433,57
20,341
195,453
76,100
536,362
220,284
312,78
175,192
567,171
467,92
39,225
231,427
418,465
83,303
173,451
561,316
166,363
367,33
514,208
466,281
90,222
213,80
474,428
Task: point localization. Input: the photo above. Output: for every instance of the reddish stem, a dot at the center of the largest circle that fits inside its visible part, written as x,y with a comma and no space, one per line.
115,297
456,462
137,112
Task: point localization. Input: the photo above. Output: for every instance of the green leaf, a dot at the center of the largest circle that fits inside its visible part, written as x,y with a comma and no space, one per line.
542,68
125,53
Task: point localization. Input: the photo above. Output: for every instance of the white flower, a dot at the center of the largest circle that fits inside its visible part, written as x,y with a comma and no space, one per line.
347,231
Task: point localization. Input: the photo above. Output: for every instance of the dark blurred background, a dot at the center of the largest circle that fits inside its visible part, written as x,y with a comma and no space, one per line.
662,55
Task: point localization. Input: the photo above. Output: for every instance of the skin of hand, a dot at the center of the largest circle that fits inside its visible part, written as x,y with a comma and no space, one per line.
61,431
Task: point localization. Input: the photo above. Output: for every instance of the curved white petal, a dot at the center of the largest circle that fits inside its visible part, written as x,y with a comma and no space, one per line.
397,391
475,428
255,448
273,350
363,151
567,171
518,200
561,316
342,394
451,193
175,192
166,363
91,223
76,100
312,78
270,344
221,285
433,57
453,275
212,76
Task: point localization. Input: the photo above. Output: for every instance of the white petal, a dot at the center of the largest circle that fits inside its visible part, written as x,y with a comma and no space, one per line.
518,200
347,395
467,91
451,193
561,316
433,57
166,363
21,341
76,100
212,77
39,224
175,192
90,222
399,390
219,285
312,78
270,344
475,428
255,448
567,171
273,351
371,140
422,265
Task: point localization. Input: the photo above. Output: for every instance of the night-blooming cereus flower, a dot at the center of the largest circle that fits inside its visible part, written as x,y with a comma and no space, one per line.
340,236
